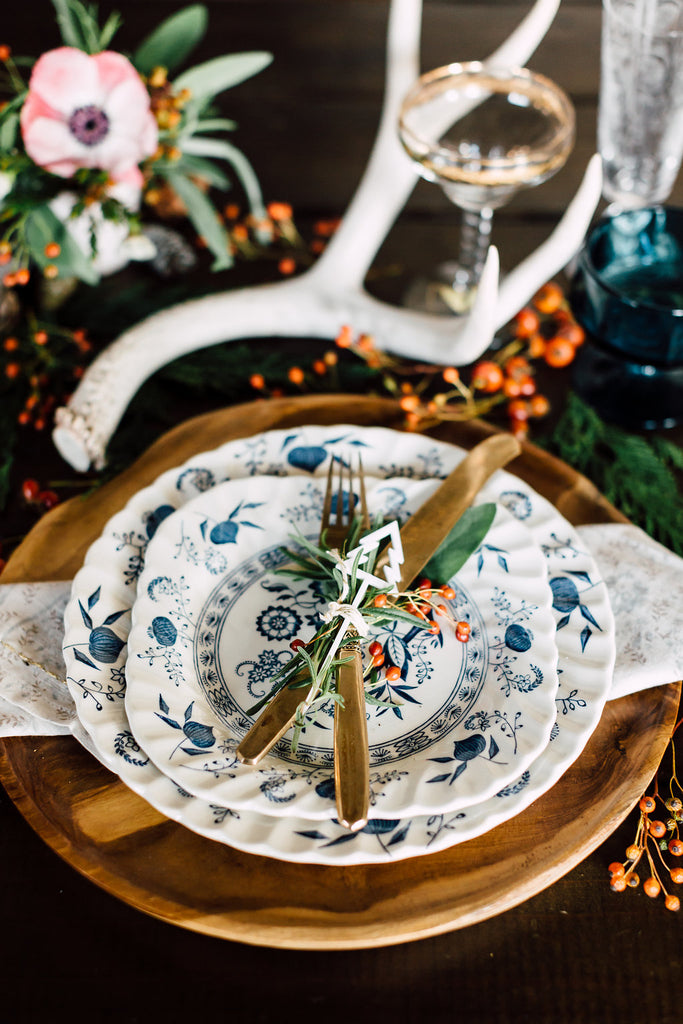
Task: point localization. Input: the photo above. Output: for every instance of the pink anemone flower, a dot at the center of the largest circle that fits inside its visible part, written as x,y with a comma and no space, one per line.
84,111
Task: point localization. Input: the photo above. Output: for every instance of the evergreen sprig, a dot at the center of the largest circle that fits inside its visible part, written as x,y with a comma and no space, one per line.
637,474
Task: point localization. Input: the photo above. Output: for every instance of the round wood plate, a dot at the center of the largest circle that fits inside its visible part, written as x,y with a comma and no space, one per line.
116,839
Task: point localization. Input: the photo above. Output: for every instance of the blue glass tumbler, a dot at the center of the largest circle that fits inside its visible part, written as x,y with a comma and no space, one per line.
627,293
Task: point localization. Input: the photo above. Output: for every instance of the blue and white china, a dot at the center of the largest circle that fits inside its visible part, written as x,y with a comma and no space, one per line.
106,587
213,622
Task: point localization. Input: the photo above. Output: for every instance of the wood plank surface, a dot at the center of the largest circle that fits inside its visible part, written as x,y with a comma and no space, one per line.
112,836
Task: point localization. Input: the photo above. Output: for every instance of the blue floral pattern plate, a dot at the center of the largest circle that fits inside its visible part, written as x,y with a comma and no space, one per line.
212,623
106,587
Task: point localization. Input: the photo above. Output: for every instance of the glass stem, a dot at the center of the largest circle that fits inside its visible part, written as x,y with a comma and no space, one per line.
475,238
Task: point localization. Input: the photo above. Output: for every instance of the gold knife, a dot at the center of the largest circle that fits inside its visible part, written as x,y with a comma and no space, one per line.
421,536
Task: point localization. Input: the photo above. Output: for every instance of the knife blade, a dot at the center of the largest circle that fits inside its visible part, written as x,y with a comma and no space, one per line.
421,537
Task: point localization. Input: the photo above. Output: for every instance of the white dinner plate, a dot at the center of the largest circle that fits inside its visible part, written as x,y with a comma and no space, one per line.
105,589
213,621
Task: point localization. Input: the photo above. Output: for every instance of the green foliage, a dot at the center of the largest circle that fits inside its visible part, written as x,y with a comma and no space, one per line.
214,76
637,474
79,25
465,537
171,43
203,216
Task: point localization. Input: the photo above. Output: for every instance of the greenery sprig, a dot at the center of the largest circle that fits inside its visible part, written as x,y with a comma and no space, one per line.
313,667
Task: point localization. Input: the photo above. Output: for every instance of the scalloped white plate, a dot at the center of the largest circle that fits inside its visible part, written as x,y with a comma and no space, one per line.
585,641
212,622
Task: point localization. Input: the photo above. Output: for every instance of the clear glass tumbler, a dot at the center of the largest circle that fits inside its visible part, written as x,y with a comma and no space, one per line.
640,114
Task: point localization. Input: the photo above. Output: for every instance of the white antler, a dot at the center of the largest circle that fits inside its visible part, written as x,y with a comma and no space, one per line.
318,303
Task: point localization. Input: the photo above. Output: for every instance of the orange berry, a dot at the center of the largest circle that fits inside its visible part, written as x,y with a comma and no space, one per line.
672,903
618,884
676,875
409,402
296,374
518,410
447,592
526,322
287,265
366,343
441,609
434,627
380,600
240,233
464,627
657,829
559,352
450,375
5,256
519,429
647,804
539,405
517,366
511,388
10,344
326,228
651,887
279,211
257,381
374,648
22,276
52,250
50,271
345,337
487,376
331,358
231,211
377,660
24,417
549,298
317,246
572,332
320,367
536,346
616,869
12,370
41,337
424,584
9,280
633,851
5,52
393,672
412,420
633,879
676,848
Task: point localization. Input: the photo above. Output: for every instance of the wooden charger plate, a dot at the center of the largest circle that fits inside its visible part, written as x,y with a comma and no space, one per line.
117,840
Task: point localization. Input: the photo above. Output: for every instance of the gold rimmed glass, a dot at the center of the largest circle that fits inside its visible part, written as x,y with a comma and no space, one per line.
483,133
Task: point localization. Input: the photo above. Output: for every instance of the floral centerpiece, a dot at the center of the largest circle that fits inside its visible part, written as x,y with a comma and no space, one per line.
92,135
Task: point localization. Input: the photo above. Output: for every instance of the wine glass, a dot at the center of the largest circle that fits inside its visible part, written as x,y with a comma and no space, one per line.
483,133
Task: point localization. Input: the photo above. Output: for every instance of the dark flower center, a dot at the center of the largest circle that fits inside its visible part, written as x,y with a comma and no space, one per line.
89,125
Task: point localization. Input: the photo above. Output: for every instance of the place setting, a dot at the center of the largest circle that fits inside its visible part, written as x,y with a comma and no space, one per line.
312,673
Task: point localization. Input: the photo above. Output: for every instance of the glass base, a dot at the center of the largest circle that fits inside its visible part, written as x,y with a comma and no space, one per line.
438,294
631,395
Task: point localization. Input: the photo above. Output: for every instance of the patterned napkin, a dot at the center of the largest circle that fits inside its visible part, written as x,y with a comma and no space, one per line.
644,581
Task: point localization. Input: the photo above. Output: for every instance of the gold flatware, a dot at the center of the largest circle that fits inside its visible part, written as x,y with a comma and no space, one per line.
351,754
425,531
421,536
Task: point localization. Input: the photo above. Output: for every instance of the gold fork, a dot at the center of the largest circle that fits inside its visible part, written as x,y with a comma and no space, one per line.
281,710
351,755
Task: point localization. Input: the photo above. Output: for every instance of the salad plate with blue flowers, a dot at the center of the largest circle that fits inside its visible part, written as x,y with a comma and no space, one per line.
213,622
98,623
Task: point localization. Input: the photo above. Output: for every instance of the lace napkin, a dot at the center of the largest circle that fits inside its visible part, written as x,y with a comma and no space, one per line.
643,578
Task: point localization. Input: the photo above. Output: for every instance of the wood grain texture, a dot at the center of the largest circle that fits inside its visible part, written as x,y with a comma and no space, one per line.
114,838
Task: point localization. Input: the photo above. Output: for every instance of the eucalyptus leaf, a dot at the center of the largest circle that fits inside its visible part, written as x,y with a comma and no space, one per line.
464,538
201,168
8,132
43,227
173,40
203,216
214,76
216,124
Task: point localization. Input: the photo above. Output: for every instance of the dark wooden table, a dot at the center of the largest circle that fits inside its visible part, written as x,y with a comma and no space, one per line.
574,954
